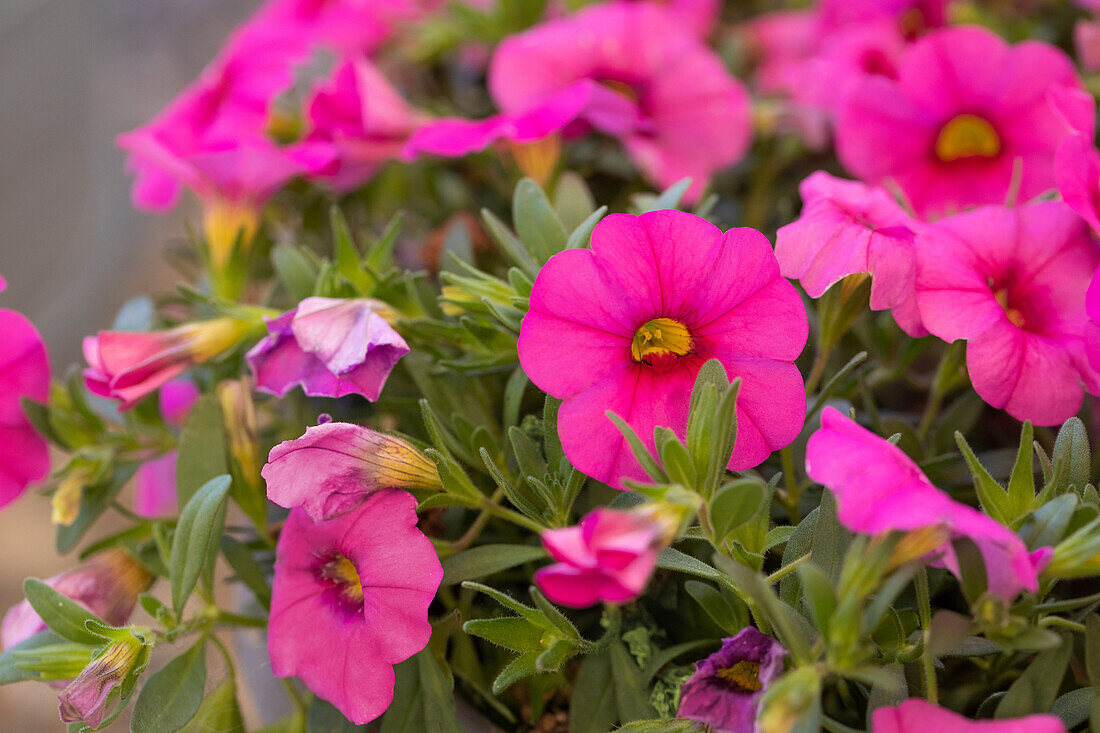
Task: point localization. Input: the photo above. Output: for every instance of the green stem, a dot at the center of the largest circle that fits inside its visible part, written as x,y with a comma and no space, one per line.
476,526
928,666
233,619
1063,622
514,517
787,569
793,493
225,654
1068,605
817,370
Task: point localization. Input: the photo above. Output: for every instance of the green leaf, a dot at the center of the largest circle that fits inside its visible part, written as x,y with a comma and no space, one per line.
1092,649
818,591
1047,525
95,501
734,504
478,562
572,199
663,657
61,613
347,256
583,233
198,533
525,665
172,696
510,244
422,701
672,559
202,453
324,717
593,707
531,614
716,606
10,671
511,632
830,540
556,618
219,712
248,571
1021,484
993,498
1072,457
537,224
295,271
631,696
1073,707
669,198
1035,690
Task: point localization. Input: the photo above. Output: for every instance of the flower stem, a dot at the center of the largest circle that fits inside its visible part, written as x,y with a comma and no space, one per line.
817,370
928,666
787,569
514,517
793,494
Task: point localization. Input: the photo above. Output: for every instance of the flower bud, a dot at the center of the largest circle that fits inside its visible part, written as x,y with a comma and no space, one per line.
83,701
65,502
792,697
239,414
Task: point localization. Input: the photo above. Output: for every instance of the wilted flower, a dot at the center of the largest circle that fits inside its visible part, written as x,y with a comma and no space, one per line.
128,365
350,599
608,556
335,466
25,367
626,325
331,347
84,700
966,111
108,585
726,688
1012,282
919,716
879,489
847,227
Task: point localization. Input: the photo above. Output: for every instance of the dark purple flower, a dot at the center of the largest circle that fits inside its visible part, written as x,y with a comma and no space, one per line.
726,688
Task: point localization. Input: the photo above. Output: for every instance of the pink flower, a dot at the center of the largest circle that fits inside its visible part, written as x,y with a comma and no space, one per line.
24,372
85,699
913,16
1012,282
879,489
1086,41
1092,328
331,347
108,585
845,228
155,480
129,365
1078,172
361,120
626,325
965,108
335,466
918,716
350,599
659,89
608,557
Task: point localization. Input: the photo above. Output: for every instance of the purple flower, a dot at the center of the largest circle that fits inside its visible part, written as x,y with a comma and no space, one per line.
726,688
330,346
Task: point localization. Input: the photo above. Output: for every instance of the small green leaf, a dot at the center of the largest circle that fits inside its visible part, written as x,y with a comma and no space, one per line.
672,559
295,271
1072,458
10,671
511,632
202,452
734,504
510,244
818,592
1021,484
525,665
423,700
198,533
1035,690
573,200
631,696
324,717
219,712
248,571
537,224
172,696
717,606
478,562
583,233
993,498
1073,707
592,708
61,613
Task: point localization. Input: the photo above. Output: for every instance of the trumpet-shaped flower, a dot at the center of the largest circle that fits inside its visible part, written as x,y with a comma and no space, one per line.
918,716
847,227
626,325
330,346
626,69
608,556
1012,283
968,115
335,466
350,600
108,585
879,489
85,699
128,365
727,686
24,372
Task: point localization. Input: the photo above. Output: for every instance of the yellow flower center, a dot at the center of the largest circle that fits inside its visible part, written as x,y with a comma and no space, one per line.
967,136
341,572
660,337
743,676
621,87
1015,316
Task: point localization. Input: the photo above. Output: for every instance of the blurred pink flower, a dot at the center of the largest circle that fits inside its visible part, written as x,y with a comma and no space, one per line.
108,585
335,466
1078,171
1086,41
911,16
24,372
129,365
1092,328
879,489
155,480
1012,282
358,122
626,325
608,556
350,599
330,346
847,227
966,110
658,88
919,716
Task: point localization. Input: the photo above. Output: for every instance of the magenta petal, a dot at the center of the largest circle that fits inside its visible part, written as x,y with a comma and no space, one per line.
24,372
155,487
918,716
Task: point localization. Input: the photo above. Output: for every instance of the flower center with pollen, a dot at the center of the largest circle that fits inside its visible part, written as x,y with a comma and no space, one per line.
661,337
743,676
967,136
1015,316
341,574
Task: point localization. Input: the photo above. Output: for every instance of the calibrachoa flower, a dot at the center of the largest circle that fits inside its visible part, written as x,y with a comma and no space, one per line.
128,365
24,372
919,716
336,466
331,347
1092,328
726,688
1078,172
608,556
1012,282
108,585
847,227
879,489
350,599
966,111
626,325
155,480
85,699
659,89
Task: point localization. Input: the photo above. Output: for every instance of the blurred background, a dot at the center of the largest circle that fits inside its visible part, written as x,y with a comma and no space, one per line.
73,75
